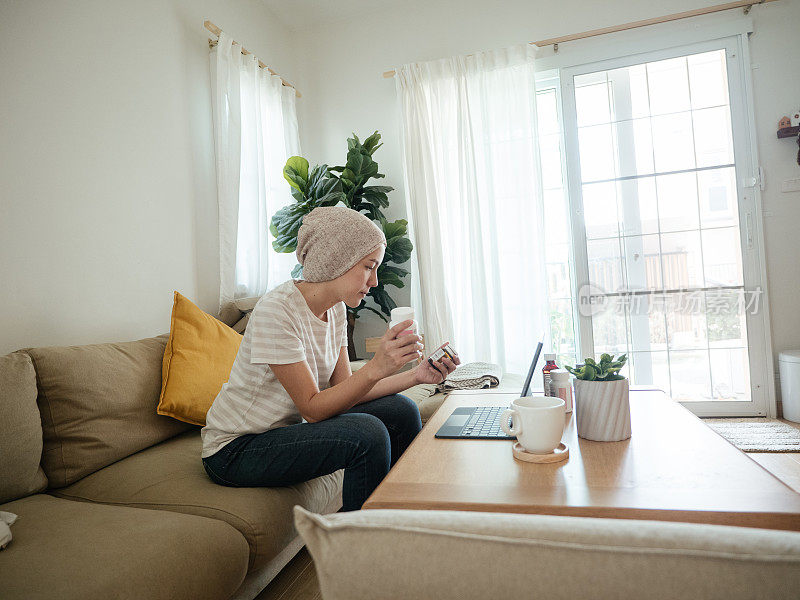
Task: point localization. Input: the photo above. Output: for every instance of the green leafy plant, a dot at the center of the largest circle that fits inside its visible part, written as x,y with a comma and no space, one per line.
355,174
606,370
346,185
310,190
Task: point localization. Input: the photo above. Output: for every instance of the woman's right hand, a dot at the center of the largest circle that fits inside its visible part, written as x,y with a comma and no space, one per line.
394,352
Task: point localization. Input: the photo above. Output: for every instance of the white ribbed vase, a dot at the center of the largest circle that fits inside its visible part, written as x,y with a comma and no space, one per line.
603,410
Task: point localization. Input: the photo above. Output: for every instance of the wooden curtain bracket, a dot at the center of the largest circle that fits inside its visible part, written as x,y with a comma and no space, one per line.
749,7
211,43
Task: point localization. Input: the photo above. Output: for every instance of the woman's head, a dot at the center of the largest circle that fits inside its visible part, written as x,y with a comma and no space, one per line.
341,245
354,284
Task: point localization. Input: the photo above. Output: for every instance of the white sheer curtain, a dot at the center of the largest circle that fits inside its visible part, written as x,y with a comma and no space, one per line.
475,204
255,131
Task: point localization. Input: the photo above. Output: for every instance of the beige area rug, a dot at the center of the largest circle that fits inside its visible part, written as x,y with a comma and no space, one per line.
758,434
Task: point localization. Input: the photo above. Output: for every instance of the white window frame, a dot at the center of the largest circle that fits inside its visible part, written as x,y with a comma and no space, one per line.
747,172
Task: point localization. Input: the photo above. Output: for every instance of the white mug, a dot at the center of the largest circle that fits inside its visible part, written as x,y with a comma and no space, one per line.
536,421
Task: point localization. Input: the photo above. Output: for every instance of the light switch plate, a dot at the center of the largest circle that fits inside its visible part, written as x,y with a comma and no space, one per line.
790,185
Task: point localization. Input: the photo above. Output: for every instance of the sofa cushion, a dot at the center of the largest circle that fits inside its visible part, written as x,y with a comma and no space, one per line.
170,476
197,362
83,551
241,325
371,554
98,405
20,429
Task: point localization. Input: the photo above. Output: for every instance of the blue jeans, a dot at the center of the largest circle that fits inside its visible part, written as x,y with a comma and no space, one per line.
365,441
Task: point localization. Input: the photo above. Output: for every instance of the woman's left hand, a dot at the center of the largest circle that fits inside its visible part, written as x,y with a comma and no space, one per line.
425,373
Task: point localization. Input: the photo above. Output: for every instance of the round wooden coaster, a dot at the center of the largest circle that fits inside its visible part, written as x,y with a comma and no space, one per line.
560,453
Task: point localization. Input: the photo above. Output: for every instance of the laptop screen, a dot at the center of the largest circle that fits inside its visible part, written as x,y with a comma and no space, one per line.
527,387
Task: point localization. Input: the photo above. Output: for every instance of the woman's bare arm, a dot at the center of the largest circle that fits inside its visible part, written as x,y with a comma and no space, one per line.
315,405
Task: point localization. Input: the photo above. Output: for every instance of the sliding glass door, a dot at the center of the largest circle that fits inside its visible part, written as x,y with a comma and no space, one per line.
662,202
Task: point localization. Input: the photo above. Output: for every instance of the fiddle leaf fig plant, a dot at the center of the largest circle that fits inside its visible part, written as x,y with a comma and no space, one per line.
359,169
606,370
346,185
310,190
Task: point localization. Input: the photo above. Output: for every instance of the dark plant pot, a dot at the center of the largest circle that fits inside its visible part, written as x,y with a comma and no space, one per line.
351,346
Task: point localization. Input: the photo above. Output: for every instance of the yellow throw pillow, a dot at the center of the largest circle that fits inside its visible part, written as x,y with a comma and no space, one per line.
197,361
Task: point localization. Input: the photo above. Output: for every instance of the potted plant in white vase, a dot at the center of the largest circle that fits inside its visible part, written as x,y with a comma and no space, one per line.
602,406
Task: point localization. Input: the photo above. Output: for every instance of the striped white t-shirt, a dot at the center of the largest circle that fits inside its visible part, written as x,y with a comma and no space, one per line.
282,330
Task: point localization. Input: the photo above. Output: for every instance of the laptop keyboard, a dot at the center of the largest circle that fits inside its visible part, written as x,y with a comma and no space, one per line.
485,422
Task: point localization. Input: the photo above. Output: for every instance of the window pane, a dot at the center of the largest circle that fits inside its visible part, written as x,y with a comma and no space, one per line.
677,202
682,266
562,332
708,79
609,327
634,147
590,79
730,374
558,281
600,210
718,200
686,320
648,329
726,319
605,265
629,93
556,219
690,376
651,369
722,257
669,86
547,112
643,262
673,142
592,104
597,153
638,206
712,136
550,150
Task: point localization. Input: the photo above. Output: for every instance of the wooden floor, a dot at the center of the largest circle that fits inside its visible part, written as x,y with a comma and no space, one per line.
784,465
298,580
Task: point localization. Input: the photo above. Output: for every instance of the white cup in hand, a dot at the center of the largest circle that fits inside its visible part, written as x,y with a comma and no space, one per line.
536,421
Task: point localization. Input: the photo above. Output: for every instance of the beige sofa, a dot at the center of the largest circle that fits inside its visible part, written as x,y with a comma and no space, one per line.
112,499
402,554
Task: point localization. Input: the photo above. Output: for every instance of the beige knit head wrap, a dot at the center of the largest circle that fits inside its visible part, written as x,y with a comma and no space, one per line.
334,238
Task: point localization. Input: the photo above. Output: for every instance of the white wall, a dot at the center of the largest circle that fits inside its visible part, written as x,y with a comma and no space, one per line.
342,63
107,186
107,183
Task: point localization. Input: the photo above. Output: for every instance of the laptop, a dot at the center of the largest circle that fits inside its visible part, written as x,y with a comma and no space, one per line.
482,422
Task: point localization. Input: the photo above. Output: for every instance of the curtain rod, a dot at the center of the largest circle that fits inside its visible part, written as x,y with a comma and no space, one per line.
216,31
746,4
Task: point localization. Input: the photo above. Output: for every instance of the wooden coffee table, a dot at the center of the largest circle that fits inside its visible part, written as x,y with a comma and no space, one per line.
673,468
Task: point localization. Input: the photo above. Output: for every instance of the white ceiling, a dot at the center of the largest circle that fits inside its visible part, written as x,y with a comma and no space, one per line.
308,14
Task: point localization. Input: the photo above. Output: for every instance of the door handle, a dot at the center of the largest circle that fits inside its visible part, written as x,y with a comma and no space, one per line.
748,229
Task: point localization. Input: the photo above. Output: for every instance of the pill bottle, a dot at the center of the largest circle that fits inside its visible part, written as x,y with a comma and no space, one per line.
400,314
550,365
562,387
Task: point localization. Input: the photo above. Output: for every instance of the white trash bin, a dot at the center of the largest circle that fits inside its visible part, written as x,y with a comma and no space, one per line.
789,367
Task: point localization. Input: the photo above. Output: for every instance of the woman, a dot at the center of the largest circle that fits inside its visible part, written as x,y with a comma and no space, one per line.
291,409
